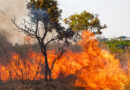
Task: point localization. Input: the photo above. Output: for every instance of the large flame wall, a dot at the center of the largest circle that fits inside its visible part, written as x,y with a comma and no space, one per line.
93,67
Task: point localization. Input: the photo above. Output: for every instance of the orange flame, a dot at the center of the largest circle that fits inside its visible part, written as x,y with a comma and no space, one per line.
93,67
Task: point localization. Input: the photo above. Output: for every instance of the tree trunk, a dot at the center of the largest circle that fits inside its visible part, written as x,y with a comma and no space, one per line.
50,78
46,66
47,69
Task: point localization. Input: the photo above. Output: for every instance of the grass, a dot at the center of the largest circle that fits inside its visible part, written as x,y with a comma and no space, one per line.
59,84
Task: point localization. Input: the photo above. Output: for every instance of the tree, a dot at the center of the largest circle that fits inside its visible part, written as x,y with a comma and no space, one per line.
47,14
84,21
51,6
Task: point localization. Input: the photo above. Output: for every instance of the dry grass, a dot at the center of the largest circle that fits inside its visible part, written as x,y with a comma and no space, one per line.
64,83
39,85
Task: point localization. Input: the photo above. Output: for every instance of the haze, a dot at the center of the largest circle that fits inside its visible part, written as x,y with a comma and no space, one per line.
114,13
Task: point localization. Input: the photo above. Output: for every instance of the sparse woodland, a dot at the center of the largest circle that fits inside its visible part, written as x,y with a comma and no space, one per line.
54,57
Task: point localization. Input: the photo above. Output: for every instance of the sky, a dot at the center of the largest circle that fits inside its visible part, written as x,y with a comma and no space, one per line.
114,13
10,9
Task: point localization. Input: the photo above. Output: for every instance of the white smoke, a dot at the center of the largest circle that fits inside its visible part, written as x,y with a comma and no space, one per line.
9,9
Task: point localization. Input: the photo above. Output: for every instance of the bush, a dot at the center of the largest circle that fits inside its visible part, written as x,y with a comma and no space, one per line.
117,46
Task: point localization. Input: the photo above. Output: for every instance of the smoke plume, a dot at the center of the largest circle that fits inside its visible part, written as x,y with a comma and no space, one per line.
9,9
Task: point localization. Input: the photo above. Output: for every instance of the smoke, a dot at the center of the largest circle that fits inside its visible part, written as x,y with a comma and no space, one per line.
17,8
9,9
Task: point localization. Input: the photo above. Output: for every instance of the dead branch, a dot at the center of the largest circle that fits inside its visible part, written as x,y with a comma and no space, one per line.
58,57
26,30
37,70
11,80
10,62
51,40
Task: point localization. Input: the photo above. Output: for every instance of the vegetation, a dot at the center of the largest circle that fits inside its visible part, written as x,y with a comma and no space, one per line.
47,14
85,21
52,9
117,46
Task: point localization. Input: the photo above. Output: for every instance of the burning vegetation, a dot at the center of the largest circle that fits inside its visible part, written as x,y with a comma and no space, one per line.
91,68
57,67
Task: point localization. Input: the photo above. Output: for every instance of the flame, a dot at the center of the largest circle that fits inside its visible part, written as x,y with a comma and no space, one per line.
94,68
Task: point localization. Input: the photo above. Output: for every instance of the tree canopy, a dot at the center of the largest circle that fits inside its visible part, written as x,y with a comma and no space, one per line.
84,21
52,9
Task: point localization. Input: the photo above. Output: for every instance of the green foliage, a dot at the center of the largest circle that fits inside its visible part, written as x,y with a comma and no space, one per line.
84,21
52,8
117,46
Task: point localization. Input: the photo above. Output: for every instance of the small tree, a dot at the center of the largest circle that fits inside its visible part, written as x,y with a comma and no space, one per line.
85,21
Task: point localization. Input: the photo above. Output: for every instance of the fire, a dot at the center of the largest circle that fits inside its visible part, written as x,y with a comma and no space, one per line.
94,68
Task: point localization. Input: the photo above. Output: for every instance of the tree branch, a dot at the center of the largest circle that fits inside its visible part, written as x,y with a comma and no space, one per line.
61,53
45,33
53,39
25,29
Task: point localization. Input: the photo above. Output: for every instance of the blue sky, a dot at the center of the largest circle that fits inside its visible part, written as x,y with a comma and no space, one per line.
114,13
